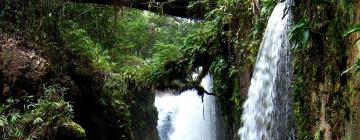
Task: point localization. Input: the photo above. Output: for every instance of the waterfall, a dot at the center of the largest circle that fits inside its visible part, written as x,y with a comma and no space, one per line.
186,117
267,110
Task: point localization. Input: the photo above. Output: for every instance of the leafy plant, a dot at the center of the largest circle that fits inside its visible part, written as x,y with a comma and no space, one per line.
79,42
49,112
353,29
268,7
300,33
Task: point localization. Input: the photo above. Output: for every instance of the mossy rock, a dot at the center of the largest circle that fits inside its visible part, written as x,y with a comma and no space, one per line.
71,130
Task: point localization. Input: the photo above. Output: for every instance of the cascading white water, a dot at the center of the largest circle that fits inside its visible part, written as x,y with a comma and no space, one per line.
186,117
267,108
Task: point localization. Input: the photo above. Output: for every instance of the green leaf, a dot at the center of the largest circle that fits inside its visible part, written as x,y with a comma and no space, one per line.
18,133
306,37
37,120
14,118
357,65
1,109
3,121
353,29
300,33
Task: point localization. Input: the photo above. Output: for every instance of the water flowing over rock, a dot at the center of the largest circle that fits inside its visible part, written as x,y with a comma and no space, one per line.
267,110
186,117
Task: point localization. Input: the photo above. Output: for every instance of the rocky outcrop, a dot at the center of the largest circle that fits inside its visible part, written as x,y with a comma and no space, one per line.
353,126
144,114
22,69
122,111
322,95
23,75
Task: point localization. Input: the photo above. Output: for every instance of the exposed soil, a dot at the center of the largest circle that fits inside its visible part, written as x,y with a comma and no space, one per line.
21,67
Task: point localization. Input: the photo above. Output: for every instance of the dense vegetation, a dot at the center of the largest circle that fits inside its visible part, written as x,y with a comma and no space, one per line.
90,71
98,60
319,59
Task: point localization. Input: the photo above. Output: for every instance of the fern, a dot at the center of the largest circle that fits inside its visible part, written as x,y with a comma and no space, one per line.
3,121
38,120
300,33
18,133
14,118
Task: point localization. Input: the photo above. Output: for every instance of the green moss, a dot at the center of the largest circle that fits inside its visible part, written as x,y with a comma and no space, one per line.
317,66
301,111
73,130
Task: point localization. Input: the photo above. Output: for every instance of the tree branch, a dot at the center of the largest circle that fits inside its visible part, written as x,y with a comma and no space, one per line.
171,7
200,89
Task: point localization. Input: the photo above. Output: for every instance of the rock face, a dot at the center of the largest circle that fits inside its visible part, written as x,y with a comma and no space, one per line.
353,126
21,68
144,114
325,101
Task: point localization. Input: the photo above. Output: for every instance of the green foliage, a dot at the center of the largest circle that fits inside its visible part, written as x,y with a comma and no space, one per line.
218,69
136,45
220,16
301,110
319,135
9,118
126,45
319,57
77,40
53,103
34,19
225,43
3,121
137,32
357,65
268,6
50,111
40,121
198,42
71,128
299,34
113,99
200,7
164,53
353,29
114,91
114,38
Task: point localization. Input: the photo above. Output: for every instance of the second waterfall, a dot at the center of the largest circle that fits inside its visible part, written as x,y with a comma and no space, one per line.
187,117
267,110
